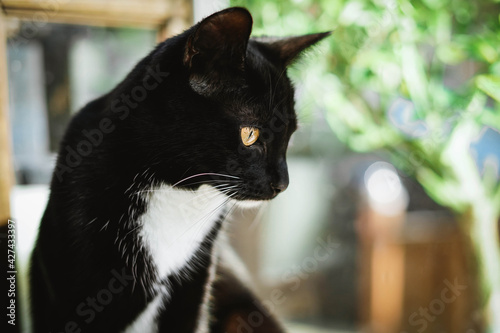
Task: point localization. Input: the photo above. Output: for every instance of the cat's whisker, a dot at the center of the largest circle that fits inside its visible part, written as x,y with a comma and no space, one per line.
213,191
226,187
258,216
278,105
226,200
208,216
204,174
208,182
208,194
273,92
224,190
231,191
270,92
171,189
204,218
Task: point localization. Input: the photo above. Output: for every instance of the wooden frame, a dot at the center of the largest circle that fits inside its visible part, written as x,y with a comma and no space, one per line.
166,16
146,13
6,173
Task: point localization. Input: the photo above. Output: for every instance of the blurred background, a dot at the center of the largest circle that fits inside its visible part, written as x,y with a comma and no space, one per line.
391,220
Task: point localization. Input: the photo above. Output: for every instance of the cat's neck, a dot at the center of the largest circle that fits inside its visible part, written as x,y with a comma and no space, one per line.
178,230
176,222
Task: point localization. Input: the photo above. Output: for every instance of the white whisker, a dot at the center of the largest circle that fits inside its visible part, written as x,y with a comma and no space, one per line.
219,187
204,174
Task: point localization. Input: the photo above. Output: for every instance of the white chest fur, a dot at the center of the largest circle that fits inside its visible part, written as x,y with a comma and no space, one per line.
173,227
176,222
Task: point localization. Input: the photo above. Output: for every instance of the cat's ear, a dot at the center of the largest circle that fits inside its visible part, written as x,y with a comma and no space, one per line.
219,42
285,50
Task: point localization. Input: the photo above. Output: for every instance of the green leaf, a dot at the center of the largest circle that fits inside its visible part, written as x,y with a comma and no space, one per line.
490,84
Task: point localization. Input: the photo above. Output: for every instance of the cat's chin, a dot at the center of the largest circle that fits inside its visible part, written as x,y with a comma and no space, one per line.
250,204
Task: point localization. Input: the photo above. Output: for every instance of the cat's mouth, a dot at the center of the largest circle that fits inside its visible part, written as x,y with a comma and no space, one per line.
254,194
250,204
236,188
256,189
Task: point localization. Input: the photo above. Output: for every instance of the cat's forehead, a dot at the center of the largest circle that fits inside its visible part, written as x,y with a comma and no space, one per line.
253,108
265,69
267,92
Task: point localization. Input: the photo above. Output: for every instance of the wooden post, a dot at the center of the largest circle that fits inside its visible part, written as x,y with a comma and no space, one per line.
180,18
6,176
383,271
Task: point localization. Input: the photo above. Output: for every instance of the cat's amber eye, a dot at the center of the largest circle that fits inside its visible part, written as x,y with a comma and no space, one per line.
249,135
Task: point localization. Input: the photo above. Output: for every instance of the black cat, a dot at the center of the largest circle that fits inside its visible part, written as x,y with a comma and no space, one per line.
146,175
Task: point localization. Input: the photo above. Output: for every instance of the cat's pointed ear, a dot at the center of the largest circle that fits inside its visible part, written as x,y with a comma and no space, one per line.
220,40
286,50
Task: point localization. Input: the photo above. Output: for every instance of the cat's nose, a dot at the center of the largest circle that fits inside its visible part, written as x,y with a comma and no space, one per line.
279,186
279,182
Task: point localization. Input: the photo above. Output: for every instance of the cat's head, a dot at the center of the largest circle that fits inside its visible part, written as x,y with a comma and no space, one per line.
232,128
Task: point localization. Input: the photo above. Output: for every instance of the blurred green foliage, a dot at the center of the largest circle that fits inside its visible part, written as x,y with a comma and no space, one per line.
418,79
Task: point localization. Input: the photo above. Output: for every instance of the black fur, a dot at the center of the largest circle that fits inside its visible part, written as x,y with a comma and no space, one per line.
178,113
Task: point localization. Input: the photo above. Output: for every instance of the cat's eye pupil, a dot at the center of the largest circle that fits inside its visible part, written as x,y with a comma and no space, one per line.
249,135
